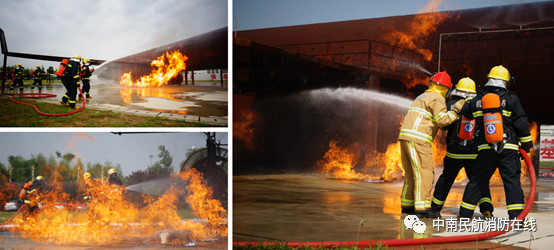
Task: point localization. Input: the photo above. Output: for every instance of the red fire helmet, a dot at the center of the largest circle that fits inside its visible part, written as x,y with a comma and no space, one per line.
442,78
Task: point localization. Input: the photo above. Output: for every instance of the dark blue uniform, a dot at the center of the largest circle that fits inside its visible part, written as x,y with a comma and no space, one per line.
516,131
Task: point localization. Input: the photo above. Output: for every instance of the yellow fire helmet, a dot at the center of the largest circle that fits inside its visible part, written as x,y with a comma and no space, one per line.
499,72
112,170
76,56
86,60
86,175
38,66
466,84
19,65
39,178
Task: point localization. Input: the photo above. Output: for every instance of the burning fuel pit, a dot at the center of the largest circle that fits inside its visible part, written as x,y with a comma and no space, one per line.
204,99
112,219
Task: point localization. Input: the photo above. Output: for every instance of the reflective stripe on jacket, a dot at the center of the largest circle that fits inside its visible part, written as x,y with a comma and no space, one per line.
426,115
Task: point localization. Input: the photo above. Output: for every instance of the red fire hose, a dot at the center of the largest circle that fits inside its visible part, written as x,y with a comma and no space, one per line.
408,242
43,95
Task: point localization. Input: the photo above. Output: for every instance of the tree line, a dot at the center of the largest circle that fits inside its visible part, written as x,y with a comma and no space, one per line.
68,168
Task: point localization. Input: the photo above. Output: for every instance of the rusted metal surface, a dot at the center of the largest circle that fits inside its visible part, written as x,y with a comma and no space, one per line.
528,55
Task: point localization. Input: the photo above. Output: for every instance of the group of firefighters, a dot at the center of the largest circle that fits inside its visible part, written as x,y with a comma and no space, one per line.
485,131
71,72
32,202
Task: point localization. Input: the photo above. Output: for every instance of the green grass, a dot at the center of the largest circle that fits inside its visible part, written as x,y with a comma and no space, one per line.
5,216
546,164
17,115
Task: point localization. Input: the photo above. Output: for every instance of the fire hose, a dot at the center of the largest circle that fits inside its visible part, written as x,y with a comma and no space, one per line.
42,95
408,242
52,205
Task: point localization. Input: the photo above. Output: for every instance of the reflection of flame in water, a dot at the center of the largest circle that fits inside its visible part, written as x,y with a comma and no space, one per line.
244,128
166,67
127,96
334,200
111,219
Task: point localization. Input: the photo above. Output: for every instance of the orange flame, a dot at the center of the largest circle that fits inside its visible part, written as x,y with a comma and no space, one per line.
339,163
419,29
166,67
113,220
244,128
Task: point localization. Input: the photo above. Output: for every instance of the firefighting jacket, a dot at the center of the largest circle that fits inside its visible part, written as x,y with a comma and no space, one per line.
37,73
454,148
72,71
86,72
17,73
514,120
33,197
426,115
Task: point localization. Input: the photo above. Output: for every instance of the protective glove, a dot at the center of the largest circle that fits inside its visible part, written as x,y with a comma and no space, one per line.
458,106
527,150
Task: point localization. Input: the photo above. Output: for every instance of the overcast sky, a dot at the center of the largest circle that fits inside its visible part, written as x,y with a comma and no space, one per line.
131,151
256,14
103,29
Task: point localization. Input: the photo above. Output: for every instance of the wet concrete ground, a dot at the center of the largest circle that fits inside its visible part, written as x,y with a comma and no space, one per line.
310,207
14,240
206,102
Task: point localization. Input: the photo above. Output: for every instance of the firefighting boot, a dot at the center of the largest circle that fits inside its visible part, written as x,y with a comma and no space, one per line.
33,89
487,214
433,214
65,103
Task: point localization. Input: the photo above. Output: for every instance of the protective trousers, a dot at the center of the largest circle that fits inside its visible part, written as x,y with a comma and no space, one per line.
71,93
39,81
510,170
19,82
86,87
452,167
417,162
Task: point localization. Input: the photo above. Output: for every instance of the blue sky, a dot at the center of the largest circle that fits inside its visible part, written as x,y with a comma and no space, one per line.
257,14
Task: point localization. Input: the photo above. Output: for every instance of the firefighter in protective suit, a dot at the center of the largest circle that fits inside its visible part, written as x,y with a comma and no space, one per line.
70,80
461,152
113,179
86,72
32,199
90,185
37,74
17,75
504,157
427,114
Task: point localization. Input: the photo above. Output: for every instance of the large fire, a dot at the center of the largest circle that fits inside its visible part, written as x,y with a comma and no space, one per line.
111,219
166,67
340,162
423,24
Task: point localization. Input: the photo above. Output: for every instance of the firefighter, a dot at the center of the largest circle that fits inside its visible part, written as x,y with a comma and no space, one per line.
86,72
70,80
17,75
37,74
503,153
113,179
427,114
32,199
90,186
461,152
